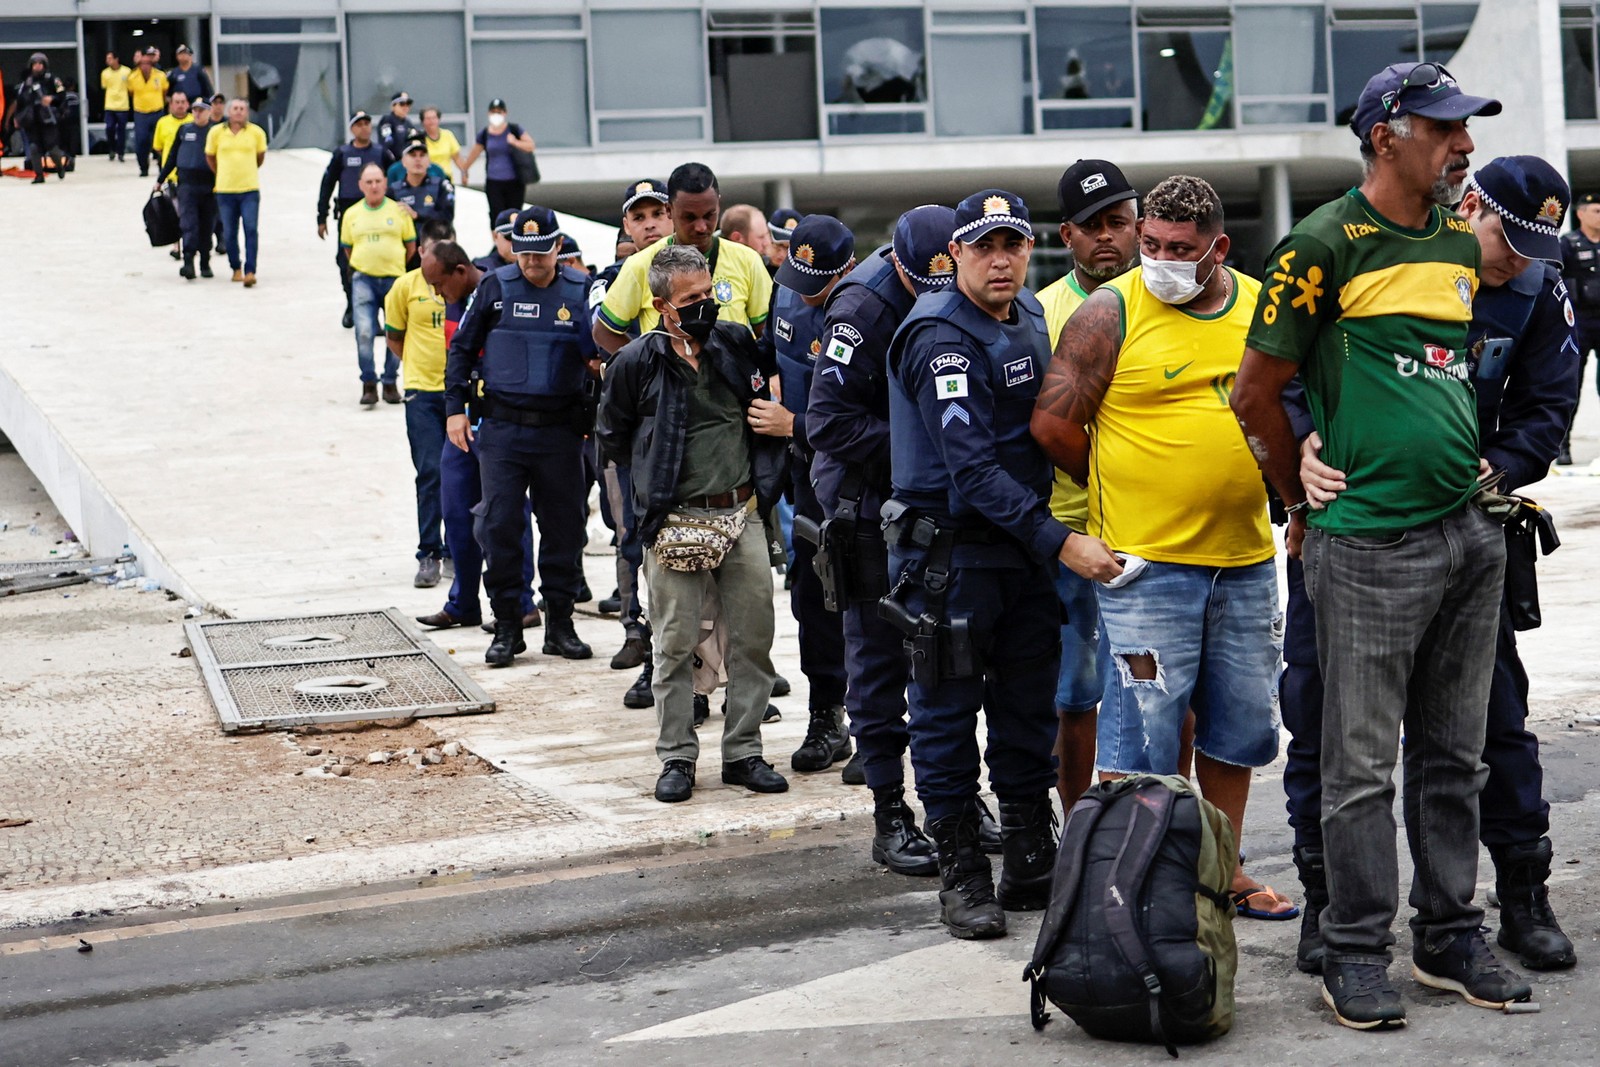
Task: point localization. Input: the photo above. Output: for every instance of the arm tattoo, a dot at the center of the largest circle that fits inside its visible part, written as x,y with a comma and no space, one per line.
1085,361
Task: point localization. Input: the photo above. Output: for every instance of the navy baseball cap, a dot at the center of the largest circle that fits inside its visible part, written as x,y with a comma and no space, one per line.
416,144
569,249
503,221
1425,89
820,248
1531,200
359,116
784,218
402,97
922,246
497,104
1088,186
991,209
535,229
643,189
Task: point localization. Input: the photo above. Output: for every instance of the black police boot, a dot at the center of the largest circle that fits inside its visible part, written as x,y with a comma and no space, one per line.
897,843
1314,877
826,741
1028,843
187,270
560,638
1528,926
205,267
966,896
988,829
506,644
639,694
702,709
855,772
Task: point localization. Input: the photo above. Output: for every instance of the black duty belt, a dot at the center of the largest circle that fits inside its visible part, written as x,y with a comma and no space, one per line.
488,407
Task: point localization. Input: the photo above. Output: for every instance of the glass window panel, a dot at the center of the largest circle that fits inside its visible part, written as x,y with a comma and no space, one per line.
37,31
243,26
1578,71
846,124
384,59
1280,51
764,88
542,23
873,56
962,19
1280,114
1088,118
1444,27
685,128
1005,106
293,90
671,73
544,84
1084,53
1186,79
1358,54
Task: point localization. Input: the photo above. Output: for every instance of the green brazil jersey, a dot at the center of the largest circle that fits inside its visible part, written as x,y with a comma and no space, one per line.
1376,315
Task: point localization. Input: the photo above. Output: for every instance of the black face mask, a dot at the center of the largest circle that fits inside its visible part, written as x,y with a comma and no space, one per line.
698,318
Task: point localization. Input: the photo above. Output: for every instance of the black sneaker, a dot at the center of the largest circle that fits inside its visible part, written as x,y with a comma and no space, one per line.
780,686
772,714
205,269
639,694
611,605
1361,996
1464,964
702,709
676,782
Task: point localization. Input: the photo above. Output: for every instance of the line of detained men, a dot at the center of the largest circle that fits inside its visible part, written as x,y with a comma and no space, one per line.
933,415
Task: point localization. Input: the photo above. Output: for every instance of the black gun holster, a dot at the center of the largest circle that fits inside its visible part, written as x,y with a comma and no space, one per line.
1530,532
938,645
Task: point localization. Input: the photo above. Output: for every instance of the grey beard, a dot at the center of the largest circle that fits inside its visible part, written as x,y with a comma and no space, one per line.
1105,274
1447,194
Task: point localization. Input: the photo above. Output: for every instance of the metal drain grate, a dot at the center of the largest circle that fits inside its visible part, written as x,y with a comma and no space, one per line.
50,568
265,673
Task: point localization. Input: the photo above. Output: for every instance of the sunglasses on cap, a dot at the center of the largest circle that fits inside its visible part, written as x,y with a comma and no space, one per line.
1421,76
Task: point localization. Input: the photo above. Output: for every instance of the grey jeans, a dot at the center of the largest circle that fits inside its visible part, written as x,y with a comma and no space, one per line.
678,601
1406,638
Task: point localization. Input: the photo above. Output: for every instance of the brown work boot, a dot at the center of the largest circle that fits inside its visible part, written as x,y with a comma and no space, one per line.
391,394
249,281
238,275
369,394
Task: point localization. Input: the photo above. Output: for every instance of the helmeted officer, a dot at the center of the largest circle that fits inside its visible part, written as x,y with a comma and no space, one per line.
822,251
529,321
428,196
847,423
1523,357
341,180
971,547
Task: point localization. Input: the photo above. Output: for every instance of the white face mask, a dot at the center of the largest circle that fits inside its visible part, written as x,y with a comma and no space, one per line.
1172,281
497,120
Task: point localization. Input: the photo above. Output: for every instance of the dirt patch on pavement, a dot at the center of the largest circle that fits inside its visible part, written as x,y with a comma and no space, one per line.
410,749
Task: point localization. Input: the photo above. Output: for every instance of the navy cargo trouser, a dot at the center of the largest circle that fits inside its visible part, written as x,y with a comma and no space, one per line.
543,464
876,672
821,632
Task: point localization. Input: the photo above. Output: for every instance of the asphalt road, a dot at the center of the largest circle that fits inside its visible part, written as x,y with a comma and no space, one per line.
781,950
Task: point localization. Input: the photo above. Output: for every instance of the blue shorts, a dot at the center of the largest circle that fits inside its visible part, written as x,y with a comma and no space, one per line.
1078,684
1217,645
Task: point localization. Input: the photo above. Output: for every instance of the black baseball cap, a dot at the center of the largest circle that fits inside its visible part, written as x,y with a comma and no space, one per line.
182,48
1425,89
820,248
1090,185
535,229
359,116
503,221
991,209
922,246
1531,199
643,189
497,104
416,144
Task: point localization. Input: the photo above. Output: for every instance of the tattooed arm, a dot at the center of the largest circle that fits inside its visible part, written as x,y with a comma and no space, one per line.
1076,383
1257,403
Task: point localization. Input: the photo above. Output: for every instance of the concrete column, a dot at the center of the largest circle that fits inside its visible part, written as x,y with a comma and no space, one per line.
1513,53
780,194
1277,216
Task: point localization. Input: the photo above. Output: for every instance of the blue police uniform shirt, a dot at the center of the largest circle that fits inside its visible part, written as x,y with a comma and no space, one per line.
962,390
190,147
797,341
352,160
193,83
847,413
435,198
535,342
1523,350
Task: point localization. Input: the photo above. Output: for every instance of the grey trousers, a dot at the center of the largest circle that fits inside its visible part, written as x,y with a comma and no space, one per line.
678,602
1406,638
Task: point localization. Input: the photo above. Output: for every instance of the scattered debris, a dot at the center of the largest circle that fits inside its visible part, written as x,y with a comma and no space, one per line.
184,653
378,757
6,824
84,946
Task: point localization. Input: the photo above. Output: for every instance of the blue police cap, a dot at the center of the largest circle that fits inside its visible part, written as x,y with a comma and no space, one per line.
644,189
535,229
922,246
820,247
1531,200
988,210
1425,89
503,221
570,250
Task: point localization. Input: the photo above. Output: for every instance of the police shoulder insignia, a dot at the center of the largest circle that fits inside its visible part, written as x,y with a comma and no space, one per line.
996,205
950,386
562,313
950,361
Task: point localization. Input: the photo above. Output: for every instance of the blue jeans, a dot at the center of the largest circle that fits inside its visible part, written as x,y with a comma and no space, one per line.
460,489
425,431
366,298
116,134
144,131
232,209
1211,632
1078,685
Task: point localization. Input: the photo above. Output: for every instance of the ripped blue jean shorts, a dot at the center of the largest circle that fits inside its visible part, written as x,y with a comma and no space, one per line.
1217,641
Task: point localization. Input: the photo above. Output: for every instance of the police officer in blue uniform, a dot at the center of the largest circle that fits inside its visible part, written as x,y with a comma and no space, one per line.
428,196
847,423
501,254
972,545
197,204
822,251
530,322
396,128
341,180
1523,354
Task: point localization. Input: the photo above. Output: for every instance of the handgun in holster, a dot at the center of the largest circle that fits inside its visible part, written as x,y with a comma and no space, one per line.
939,647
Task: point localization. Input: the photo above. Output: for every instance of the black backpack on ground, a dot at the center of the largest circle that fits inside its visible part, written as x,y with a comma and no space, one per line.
1137,943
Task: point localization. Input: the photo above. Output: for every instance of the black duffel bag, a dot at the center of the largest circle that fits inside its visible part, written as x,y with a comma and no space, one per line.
161,220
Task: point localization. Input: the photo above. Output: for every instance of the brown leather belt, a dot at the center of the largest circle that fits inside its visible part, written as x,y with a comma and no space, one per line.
729,499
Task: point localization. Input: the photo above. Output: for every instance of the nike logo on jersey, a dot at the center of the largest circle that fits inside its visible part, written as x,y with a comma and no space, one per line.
1171,374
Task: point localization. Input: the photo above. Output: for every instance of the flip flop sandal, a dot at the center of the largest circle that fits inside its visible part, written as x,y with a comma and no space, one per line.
1242,899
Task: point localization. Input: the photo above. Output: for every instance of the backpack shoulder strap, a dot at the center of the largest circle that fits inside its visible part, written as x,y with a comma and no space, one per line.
1081,821
1147,828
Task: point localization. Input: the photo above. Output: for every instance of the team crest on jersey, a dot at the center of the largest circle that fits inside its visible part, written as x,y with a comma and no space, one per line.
563,314
1464,290
1438,355
723,292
